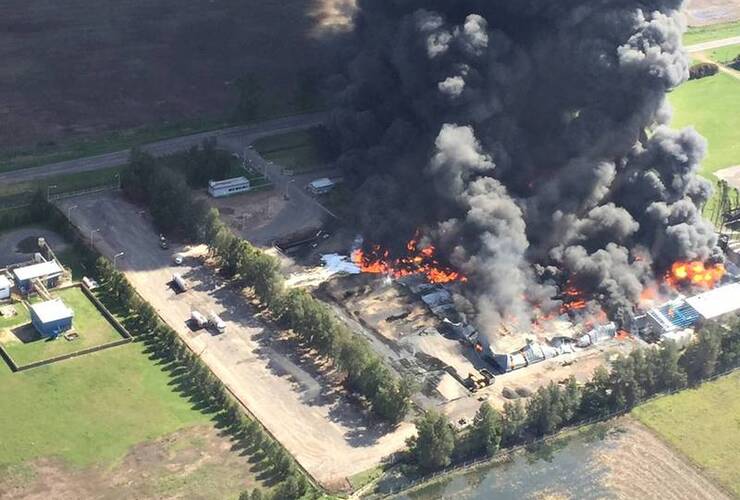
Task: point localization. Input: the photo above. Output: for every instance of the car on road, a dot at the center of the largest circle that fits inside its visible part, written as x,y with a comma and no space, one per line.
177,259
163,244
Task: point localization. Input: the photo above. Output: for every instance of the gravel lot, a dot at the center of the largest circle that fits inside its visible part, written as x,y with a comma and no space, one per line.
295,400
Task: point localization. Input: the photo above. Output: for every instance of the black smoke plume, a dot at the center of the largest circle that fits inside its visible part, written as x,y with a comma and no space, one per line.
527,138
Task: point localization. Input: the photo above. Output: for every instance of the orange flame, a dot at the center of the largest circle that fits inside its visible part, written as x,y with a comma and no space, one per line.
573,300
695,273
418,260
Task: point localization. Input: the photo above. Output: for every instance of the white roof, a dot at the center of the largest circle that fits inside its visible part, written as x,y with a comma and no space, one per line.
52,310
714,303
236,181
37,270
321,183
4,283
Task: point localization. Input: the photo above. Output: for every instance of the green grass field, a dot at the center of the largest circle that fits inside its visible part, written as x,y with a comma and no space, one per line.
93,329
725,55
18,192
298,151
713,32
88,410
22,316
710,105
704,424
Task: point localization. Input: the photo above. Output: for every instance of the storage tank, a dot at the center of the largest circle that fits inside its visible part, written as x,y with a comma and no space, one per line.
198,319
180,282
216,322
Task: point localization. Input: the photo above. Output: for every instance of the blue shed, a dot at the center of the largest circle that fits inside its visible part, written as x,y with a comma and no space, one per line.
48,272
51,318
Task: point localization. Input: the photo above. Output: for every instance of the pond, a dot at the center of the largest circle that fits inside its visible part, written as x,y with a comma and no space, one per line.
565,468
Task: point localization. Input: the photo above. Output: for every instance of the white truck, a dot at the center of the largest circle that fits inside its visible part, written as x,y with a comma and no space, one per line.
198,320
180,282
216,322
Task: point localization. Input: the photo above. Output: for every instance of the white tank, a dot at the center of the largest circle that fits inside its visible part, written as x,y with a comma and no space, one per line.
198,319
217,323
180,282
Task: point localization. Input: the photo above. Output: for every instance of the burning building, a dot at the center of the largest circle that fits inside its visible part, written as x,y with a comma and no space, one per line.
529,141
681,314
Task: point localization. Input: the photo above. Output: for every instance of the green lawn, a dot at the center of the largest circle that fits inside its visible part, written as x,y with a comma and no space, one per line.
88,410
64,183
704,424
22,316
711,105
299,151
725,55
104,143
89,323
713,32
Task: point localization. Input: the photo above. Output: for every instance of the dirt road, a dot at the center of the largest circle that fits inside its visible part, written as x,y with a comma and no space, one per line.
241,136
296,400
714,44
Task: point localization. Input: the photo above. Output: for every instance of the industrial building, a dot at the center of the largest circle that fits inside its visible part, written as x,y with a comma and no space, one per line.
51,318
228,187
46,273
667,320
5,287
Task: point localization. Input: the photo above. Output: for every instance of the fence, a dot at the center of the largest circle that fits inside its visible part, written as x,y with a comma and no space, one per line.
95,189
15,367
507,453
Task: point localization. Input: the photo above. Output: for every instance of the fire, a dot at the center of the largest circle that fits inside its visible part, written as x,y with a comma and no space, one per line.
418,260
695,273
573,300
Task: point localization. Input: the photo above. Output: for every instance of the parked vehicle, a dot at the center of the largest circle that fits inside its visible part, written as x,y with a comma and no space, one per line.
177,259
180,282
198,320
216,322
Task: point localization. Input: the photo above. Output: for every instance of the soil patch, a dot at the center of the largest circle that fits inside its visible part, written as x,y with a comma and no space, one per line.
195,462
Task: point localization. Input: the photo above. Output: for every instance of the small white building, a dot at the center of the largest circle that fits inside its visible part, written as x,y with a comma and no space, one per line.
4,287
321,186
48,272
228,187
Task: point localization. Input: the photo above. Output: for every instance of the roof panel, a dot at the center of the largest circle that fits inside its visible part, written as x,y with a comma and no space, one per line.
37,270
52,310
715,303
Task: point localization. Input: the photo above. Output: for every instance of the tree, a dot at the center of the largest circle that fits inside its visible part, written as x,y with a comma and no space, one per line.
433,445
670,376
512,425
487,430
543,410
701,356
595,397
730,356
393,401
571,400
292,488
625,391
257,494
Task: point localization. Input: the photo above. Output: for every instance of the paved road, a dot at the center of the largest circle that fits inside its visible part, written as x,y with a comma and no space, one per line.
243,134
714,44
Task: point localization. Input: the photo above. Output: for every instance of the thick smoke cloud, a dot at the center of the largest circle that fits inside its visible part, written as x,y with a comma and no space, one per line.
528,139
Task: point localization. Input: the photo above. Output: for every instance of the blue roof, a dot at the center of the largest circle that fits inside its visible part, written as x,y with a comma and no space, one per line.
681,315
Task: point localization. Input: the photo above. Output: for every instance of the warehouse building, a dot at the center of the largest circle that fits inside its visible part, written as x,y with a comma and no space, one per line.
228,187
51,318
680,314
48,273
